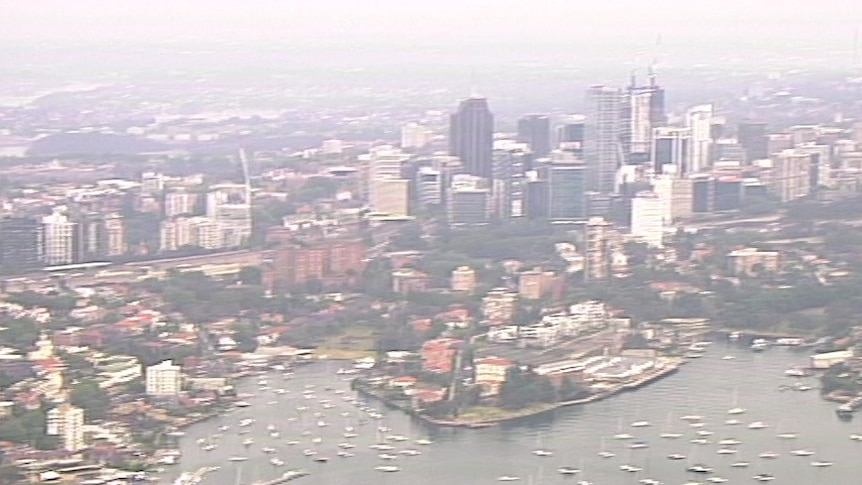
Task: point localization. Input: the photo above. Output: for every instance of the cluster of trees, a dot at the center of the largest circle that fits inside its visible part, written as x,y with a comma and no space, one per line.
27,426
201,298
524,388
87,395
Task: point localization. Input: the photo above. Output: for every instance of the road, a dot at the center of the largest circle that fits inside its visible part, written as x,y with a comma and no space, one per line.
129,272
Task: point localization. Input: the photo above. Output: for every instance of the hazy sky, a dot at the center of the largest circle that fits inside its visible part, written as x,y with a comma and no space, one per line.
439,21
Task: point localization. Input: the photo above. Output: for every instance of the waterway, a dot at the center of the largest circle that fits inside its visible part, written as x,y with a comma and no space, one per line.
708,387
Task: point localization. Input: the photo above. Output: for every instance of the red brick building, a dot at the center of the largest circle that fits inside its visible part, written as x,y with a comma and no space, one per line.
330,261
438,355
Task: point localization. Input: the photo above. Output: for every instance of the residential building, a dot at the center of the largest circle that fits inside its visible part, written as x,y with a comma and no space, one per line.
463,279
676,194
414,136
752,136
602,147
471,136
648,219
179,203
163,380
438,355
330,260
791,175
499,306
59,238
753,262
410,280
597,250
67,422
490,373
390,196
536,284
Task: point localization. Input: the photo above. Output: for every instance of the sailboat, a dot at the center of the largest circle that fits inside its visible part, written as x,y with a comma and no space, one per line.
620,434
541,451
603,453
735,410
668,434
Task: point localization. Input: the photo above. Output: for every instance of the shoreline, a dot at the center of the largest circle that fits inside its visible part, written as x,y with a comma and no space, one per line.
599,396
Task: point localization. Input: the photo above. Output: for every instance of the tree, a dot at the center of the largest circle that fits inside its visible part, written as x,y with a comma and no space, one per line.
250,275
91,398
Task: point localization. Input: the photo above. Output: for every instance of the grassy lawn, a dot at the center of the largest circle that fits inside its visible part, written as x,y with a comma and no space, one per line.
486,413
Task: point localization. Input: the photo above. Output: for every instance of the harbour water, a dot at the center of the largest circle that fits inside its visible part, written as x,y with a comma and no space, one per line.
708,387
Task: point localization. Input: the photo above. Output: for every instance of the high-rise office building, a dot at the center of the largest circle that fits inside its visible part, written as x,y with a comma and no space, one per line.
59,239
602,148
21,244
567,195
471,136
699,120
468,201
597,251
753,138
535,131
429,187
670,150
676,195
178,203
642,111
648,219
66,422
791,174
570,135
390,196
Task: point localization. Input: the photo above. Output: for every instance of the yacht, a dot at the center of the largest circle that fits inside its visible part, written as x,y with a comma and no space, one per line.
698,468
268,450
242,404
727,451
740,464
238,458
567,470
631,468
801,452
759,345
732,422
387,468
640,424
856,437
763,477
543,452
768,455
638,445
423,442
730,442
247,442
821,464
757,425
716,480
276,462
787,436
675,456
343,454
508,478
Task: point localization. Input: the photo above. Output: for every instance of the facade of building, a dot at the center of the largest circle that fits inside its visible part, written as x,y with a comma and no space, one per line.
414,136
59,239
499,306
648,219
390,196
410,280
325,260
566,190
438,355
163,380
21,244
597,251
429,187
179,203
676,197
754,262
471,136
463,279
535,131
791,175
699,121
602,148
67,422
490,373
671,150
642,111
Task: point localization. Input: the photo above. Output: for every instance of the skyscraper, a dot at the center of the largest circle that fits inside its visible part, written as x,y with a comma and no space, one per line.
20,244
699,120
648,219
567,197
602,137
671,147
471,136
59,239
752,137
642,111
535,131
66,422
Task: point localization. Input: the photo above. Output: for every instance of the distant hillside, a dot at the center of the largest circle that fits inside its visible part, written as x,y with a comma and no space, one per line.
92,144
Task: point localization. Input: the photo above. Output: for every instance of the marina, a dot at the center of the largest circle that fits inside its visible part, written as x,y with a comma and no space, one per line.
676,430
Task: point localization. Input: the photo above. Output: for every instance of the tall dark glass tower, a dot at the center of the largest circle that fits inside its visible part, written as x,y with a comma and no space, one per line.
535,131
471,136
20,244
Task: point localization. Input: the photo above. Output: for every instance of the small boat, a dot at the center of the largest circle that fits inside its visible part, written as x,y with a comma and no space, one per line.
208,447
410,452
276,462
307,452
699,468
387,456
728,357
607,454
787,436
675,456
623,436
732,422
268,450
317,440
396,437
727,451
768,455
543,452
763,477
247,442
242,404
740,464
292,443
238,458
704,432
670,436
508,478
716,480
270,427
346,446
821,464
796,372
730,442
801,452
320,459
692,417
649,481
223,427
856,437
344,454
387,468
699,441
424,442
631,468
567,470
638,445
382,447
757,425
640,424
735,411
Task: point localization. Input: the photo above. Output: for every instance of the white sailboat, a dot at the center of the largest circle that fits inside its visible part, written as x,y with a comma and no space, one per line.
736,410
603,453
540,450
668,434
620,435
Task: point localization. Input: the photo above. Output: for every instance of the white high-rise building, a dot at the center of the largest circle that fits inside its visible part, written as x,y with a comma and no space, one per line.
230,206
429,186
676,195
602,147
206,233
179,203
163,379
67,422
414,135
699,120
115,235
390,196
648,219
59,238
